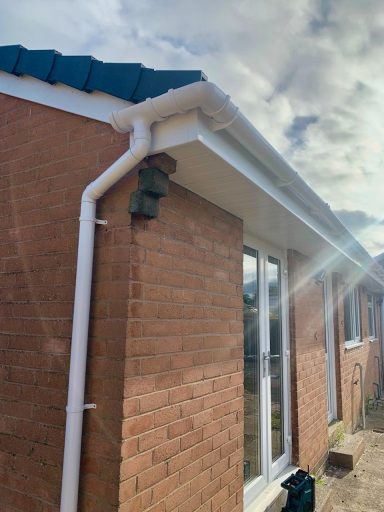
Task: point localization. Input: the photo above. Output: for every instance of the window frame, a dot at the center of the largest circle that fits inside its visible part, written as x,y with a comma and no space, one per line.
352,295
371,304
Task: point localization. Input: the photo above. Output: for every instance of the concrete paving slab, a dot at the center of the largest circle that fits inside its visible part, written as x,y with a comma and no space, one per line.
360,489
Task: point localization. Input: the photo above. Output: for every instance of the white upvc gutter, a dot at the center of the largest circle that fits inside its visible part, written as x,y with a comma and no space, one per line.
138,120
342,239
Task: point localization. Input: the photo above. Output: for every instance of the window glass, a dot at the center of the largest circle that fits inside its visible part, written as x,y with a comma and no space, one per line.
352,315
252,456
371,317
276,360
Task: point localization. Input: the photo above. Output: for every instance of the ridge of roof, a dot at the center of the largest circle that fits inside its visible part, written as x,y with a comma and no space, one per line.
129,81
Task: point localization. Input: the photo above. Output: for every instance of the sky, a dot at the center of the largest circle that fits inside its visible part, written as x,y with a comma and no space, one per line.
309,74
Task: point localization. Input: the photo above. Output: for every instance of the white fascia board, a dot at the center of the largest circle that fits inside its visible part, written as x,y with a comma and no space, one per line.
175,131
95,105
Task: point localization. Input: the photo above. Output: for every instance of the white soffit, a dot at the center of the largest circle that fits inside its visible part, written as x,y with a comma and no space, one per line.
95,105
216,167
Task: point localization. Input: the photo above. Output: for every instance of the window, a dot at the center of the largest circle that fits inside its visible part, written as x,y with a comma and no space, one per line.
371,317
352,316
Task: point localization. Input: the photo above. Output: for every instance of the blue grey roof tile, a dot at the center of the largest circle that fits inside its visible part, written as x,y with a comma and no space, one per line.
73,71
38,63
130,81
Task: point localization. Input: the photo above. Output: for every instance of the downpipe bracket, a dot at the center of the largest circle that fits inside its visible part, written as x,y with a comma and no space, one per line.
96,221
89,406
76,410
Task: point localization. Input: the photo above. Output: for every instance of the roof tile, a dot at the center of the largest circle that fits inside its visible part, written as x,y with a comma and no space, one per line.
129,81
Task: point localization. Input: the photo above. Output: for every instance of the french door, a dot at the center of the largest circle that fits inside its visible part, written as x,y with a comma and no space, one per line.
266,415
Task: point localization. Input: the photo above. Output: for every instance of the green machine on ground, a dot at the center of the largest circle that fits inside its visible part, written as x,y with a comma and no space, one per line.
301,492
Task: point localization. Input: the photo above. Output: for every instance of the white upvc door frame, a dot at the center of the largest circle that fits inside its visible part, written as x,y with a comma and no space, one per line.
270,470
330,348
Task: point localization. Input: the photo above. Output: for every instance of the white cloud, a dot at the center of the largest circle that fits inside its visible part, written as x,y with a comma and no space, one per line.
280,61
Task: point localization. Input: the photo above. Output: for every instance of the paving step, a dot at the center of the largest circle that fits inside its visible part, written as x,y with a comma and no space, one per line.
347,454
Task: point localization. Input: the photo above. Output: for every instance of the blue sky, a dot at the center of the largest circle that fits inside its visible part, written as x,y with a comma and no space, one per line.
309,74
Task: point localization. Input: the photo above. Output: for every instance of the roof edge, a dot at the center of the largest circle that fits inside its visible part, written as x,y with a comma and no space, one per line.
128,81
96,106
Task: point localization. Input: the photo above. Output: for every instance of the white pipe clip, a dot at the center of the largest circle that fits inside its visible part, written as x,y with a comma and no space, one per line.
81,409
96,221
89,406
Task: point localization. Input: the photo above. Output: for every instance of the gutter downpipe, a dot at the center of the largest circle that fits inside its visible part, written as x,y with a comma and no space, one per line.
362,398
138,120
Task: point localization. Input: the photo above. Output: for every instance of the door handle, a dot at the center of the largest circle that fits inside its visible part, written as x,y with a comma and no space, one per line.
267,362
269,356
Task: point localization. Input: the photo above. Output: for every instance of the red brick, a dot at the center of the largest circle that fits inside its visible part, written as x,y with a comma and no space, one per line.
165,488
202,419
167,415
154,401
177,498
179,461
210,490
153,438
180,394
168,380
155,365
191,439
166,451
151,476
138,425
191,505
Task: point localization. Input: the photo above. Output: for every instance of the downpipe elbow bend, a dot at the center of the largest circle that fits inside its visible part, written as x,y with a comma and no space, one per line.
140,148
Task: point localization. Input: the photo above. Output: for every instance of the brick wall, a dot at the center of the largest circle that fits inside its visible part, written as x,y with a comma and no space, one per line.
308,370
167,431
183,400
348,396
165,347
46,159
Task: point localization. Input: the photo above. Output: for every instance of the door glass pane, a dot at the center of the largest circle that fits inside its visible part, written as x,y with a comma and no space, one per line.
252,464
276,359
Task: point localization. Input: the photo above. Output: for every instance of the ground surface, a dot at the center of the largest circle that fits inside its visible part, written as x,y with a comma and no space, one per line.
360,489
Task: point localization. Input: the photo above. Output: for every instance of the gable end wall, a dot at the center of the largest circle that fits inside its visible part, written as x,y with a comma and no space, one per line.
165,339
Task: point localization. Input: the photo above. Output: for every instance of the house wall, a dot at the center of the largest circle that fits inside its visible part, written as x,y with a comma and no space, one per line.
164,368
47,158
308,363
308,370
165,362
348,393
183,402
